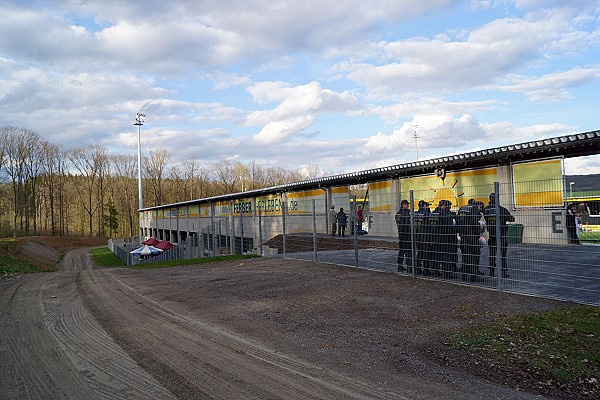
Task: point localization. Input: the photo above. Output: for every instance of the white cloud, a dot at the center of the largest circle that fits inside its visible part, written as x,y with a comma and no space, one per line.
289,73
298,107
429,106
582,165
434,132
551,87
491,52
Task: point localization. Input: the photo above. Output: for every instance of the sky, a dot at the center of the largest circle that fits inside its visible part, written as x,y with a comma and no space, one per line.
332,85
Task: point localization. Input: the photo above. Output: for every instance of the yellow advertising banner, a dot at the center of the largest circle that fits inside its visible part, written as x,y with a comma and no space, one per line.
380,196
269,205
301,202
182,212
222,209
243,206
457,187
193,211
538,183
205,210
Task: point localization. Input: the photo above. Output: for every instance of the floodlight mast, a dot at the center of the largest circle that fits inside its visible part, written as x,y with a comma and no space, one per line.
139,121
416,136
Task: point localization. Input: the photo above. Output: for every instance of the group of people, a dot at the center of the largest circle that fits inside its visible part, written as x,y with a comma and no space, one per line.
439,234
339,220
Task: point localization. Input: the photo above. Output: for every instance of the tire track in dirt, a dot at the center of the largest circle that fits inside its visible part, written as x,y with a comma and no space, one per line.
77,260
198,360
107,368
32,365
52,347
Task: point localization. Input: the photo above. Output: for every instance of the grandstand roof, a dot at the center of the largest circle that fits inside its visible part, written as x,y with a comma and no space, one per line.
574,145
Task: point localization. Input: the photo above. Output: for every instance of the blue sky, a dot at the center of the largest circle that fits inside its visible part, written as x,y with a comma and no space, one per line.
335,85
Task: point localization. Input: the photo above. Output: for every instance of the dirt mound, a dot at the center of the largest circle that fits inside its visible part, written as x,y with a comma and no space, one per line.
39,254
302,243
46,251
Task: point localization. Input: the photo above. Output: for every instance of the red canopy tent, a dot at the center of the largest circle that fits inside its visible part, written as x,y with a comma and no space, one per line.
164,245
151,241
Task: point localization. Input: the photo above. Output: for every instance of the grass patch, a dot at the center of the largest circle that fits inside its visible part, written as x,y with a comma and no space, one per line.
593,237
10,265
103,257
12,260
193,261
558,347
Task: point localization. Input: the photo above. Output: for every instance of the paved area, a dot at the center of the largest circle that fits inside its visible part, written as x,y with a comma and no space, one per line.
570,273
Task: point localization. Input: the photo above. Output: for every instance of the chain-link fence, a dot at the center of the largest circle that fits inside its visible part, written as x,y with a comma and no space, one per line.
517,238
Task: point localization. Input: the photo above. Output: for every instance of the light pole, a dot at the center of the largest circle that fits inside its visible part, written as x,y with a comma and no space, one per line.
139,121
571,189
416,137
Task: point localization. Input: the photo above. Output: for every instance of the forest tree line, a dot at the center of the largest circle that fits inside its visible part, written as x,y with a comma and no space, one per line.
84,191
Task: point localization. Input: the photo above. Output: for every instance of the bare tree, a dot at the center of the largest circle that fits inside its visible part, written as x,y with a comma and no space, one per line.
155,166
125,168
280,176
51,161
190,173
33,163
226,175
18,144
90,163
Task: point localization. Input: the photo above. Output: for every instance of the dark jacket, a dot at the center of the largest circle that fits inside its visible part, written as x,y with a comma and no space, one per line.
489,213
402,218
422,227
445,231
342,218
571,220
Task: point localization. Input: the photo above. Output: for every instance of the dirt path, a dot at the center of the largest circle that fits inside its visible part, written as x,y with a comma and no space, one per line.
199,360
52,347
111,333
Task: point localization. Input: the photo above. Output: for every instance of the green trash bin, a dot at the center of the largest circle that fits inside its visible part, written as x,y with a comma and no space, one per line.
515,233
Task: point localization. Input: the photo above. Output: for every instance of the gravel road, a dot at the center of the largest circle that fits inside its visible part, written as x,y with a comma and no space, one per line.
257,329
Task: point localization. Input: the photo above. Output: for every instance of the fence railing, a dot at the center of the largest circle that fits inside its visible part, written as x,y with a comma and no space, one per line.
517,238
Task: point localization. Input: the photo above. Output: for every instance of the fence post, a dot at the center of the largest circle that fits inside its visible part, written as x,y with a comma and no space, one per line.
260,239
202,243
314,217
219,239
241,232
228,237
283,218
355,230
499,272
412,230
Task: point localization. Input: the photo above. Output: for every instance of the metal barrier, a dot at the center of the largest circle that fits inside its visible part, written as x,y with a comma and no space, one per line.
518,239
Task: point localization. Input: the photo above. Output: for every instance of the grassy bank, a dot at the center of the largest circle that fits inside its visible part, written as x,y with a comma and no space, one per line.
105,258
557,348
10,265
13,261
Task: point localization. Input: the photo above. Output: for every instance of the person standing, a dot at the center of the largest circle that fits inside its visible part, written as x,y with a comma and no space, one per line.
333,219
448,249
572,224
421,237
491,219
342,222
470,231
402,218
359,219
